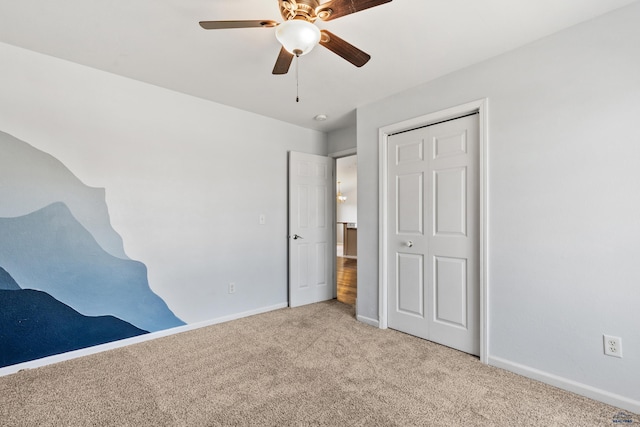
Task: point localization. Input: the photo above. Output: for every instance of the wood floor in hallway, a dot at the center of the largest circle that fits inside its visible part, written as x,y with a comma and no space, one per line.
347,278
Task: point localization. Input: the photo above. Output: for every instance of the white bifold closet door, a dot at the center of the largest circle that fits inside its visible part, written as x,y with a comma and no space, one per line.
433,233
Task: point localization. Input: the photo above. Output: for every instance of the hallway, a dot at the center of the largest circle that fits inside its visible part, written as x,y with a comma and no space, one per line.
347,279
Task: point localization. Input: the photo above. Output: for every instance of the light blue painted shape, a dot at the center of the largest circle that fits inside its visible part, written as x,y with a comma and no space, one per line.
49,250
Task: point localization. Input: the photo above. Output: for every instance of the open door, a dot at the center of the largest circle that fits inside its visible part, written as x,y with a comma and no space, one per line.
311,229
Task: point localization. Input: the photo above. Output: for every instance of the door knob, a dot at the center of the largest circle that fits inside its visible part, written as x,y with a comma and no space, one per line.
296,237
410,243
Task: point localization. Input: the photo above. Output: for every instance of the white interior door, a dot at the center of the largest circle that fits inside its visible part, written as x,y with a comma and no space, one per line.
311,239
433,233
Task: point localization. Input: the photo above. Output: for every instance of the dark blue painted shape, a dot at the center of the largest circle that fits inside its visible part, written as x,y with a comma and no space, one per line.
33,325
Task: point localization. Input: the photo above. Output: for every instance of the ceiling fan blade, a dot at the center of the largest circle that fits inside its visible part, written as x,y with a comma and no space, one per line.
283,62
337,8
344,49
222,25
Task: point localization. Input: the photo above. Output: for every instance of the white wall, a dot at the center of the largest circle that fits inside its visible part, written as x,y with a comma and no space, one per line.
341,144
348,211
185,179
340,141
347,175
564,201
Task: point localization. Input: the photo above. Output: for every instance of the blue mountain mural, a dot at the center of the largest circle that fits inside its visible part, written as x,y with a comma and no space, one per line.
34,325
49,250
31,179
7,283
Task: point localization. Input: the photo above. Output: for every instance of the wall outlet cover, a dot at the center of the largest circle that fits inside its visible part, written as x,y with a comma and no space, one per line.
612,346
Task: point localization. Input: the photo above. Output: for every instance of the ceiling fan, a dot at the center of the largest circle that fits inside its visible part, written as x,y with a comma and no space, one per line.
298,34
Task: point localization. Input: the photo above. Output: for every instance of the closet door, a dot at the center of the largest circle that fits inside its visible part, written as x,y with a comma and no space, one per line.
433,233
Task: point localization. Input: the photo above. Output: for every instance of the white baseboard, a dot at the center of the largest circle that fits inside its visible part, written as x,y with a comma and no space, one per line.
566,384
368,320
129,341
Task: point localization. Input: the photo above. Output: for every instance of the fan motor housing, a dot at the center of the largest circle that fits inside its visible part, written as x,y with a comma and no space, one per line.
305,9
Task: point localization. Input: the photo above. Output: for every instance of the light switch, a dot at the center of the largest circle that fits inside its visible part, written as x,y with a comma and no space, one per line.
263,219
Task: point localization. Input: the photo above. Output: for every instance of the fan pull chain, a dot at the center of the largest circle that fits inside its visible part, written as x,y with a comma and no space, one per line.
297,79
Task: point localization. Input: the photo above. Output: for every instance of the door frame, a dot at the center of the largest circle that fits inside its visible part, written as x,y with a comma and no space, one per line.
480,106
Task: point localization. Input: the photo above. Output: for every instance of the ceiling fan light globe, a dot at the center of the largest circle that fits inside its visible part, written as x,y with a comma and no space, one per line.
298,36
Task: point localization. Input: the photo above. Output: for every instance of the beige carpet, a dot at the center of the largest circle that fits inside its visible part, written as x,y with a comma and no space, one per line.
313,365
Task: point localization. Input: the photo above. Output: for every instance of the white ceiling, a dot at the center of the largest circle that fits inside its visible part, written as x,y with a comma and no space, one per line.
160,42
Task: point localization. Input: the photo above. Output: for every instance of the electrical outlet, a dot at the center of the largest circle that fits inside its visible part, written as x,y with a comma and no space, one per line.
612,346
232,288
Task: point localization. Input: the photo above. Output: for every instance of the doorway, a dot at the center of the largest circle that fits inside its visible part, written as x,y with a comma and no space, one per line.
346,229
